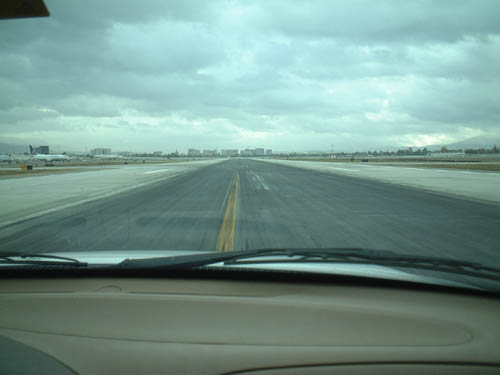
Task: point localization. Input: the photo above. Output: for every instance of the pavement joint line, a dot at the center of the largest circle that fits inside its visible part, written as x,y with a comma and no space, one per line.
431,169
225,239
480,195
226,198
345,169
82,201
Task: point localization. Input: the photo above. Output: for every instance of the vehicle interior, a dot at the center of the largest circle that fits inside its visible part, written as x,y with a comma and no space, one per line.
63,319
233,324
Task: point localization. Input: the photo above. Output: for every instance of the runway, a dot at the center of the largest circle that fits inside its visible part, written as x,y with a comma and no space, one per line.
242,204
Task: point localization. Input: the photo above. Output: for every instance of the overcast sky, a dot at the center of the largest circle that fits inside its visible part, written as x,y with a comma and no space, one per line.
287,75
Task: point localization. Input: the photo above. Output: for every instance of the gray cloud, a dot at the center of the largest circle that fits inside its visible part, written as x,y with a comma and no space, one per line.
380,21
280,74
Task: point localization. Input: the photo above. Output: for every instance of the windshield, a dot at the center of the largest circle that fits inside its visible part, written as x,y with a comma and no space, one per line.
224,126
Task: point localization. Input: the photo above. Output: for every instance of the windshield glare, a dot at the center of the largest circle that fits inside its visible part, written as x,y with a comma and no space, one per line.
152,129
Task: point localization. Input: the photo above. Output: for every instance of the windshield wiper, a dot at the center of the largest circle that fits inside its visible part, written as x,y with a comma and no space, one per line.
43,260
204,259
329,255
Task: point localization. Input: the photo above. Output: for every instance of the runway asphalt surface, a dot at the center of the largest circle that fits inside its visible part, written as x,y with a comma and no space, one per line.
249,204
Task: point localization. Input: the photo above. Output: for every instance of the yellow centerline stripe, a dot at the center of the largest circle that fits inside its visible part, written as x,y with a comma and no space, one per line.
225,239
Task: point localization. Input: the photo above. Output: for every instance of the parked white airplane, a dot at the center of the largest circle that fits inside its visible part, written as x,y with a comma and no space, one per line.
49,157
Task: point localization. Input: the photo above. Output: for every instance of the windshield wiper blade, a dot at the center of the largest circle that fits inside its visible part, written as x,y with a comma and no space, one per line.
346,255
328,255
43,259
199,260
204,259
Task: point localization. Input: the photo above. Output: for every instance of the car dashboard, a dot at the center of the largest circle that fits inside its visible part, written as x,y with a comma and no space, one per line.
218,326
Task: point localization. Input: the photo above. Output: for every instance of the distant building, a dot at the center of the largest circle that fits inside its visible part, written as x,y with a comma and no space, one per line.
248,152
209,153
43,150
259,152
192,152
229,152
269,152
100,151
158,153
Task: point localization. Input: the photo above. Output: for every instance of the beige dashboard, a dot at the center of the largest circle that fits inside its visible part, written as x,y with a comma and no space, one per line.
174,326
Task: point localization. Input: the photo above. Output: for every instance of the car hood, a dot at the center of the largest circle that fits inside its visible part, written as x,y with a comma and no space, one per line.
344,269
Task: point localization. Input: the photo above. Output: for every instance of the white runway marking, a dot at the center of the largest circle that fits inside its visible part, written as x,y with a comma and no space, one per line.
258,180
156,171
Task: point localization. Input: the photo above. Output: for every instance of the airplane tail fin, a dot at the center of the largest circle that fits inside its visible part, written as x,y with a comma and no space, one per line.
32,151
